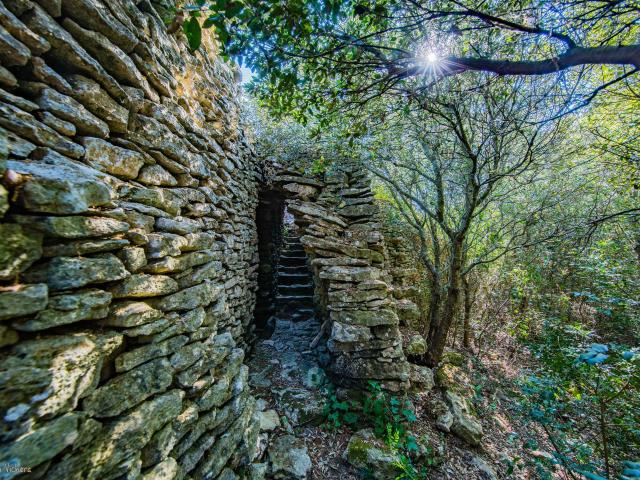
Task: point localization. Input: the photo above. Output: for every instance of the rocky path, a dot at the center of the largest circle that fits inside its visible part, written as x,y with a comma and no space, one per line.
288,379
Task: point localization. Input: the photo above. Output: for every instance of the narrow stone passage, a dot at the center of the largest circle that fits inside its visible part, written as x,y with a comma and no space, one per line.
286,373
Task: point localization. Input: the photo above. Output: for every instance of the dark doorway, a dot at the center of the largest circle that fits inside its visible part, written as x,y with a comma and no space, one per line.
269,223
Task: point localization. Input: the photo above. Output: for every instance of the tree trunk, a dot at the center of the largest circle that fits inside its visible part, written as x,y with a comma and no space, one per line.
435,302
467,333
438,333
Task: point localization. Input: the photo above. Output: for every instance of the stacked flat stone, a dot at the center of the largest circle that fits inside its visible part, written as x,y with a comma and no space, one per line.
342,237
128,255
405,278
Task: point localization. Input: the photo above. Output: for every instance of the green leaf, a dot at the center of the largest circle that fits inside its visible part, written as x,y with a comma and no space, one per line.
193,32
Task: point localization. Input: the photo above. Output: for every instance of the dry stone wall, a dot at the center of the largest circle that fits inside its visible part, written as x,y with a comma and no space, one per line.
128,255
341,232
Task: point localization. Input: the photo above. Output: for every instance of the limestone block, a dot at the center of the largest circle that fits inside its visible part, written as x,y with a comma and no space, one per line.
41,444
67,51
68,109
94,15
181,263
189,298
65,309
115,451
464,425
112,159
181,323
47,376
21,300
289,458
18,250
131,314
415,345
62,188
163,441
345,333
25,125
156,175
12,51
64,273
350,274
8,336
35,43
421,378
61,126
133,358
82,247
89,93
408,312
111,57
133,258
168,469
73,227
143,285
161,198
179,225
129,389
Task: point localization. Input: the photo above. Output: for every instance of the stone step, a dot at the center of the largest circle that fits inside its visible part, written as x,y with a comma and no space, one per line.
300,289
294,278
293,261
297,300
293,251
293,269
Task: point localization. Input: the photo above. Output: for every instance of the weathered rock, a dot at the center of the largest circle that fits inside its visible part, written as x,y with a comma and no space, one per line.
156,175
65,50
26,126
18,250
116,449
133,358
408,312
68,188
73,227
63,273
50,374
70,308
68,109
166,470
464,424
8,336
269,420
41,444
20,300
111,57
421,378
366,453
112,159
349,274
89,93
189,298
289,458
133,258
131,314
345,333
142,285
12,51
416,345
95,16
301,406
82,247
368,318
129,389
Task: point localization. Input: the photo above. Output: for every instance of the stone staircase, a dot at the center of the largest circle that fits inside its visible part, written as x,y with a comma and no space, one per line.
294,299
